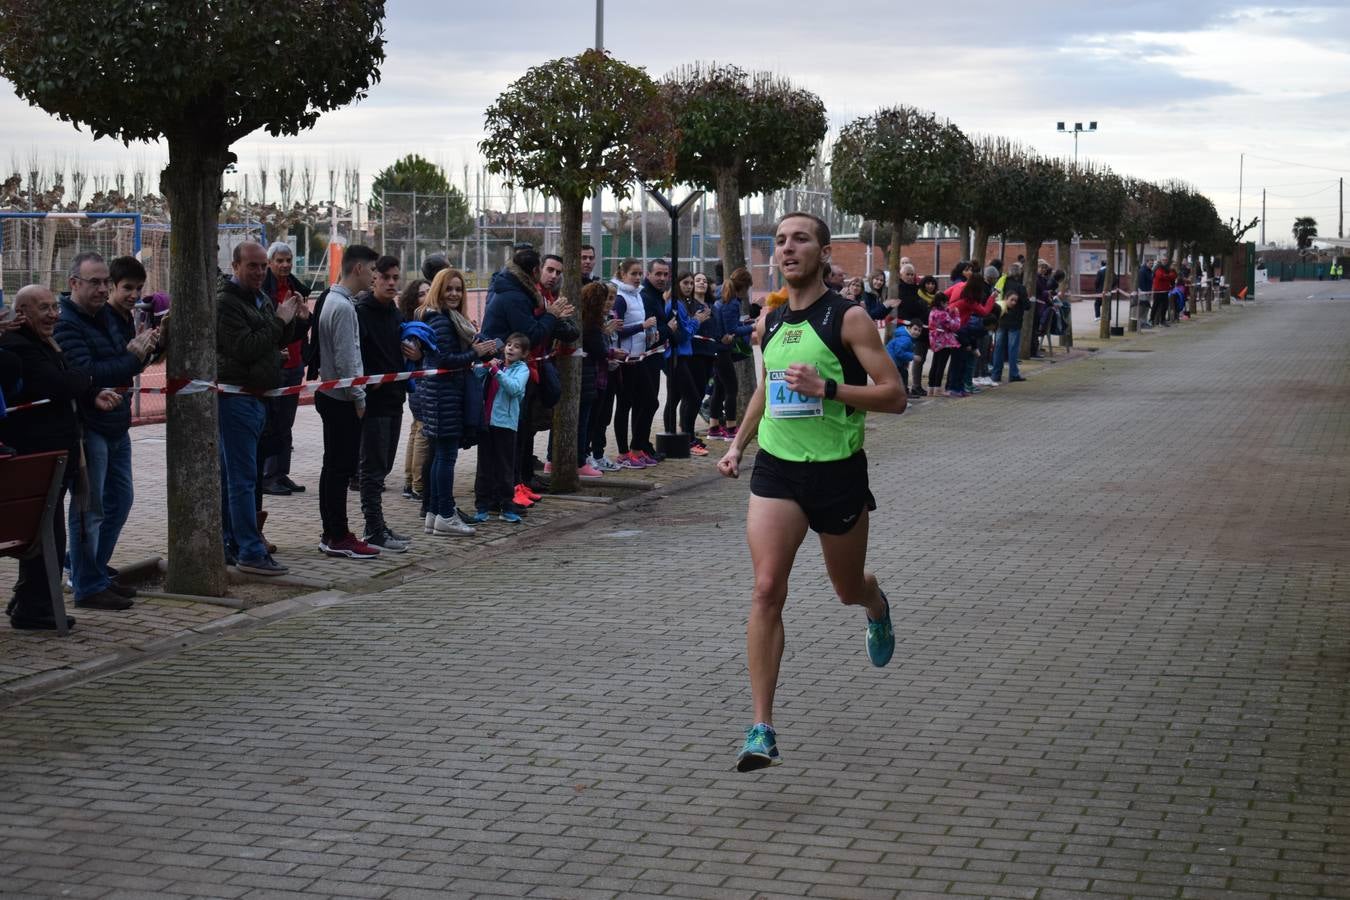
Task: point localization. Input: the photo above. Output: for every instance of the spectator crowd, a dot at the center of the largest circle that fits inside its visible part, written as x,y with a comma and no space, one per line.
495,385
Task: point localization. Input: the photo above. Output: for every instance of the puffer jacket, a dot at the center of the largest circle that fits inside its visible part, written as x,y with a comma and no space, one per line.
512,307
439,403
942,328
97,346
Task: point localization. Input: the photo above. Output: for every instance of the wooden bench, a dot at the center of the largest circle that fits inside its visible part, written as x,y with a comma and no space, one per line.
29,489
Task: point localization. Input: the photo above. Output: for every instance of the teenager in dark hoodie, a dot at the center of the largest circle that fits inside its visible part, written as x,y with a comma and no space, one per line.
379,322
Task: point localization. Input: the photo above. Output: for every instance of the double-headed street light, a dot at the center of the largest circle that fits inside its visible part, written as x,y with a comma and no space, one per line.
1076,130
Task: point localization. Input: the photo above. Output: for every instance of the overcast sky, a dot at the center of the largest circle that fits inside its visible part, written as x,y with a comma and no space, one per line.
1179,88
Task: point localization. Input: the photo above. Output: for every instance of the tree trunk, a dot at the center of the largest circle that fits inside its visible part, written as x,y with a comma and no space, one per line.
1063,252
191,187
981,250
893,254
565,479
1132,268
729,219
1108,296
1029,279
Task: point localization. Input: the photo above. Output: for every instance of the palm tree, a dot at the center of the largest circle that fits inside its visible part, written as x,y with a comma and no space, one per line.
1305,231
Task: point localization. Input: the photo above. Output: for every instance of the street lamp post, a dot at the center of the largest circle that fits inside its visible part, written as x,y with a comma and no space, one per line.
1076,131
597,218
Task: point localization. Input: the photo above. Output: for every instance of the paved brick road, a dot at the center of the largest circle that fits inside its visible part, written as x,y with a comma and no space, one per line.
1121,671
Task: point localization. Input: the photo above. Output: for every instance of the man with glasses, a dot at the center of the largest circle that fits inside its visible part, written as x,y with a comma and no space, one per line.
100,343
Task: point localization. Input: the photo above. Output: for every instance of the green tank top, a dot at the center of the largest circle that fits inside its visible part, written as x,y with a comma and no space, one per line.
809,429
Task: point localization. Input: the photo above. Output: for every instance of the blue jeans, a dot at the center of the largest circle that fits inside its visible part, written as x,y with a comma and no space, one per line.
94,530
241,421
441,489
1006,346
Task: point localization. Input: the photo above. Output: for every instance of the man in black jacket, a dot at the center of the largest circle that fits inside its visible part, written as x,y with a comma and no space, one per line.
379,324
53,426
653,306
251,333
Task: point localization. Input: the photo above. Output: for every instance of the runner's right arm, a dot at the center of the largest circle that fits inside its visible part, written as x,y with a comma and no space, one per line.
730,464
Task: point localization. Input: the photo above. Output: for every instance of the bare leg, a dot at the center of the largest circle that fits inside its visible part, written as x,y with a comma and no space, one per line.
775,529
845,558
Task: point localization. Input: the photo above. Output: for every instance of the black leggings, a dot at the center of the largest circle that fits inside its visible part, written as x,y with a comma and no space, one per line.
700,369
627,399
602,412
683,395
649,396
940,360
726,388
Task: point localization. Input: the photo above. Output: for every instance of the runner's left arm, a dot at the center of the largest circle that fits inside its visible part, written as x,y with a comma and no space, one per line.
860,335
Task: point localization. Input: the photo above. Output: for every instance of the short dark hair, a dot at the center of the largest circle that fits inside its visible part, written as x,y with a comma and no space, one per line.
386,262
590,247
126,268
822,227
548,256
356,254
652,264
527,258
82,258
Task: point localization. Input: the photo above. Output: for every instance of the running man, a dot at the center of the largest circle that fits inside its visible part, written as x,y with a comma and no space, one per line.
808,412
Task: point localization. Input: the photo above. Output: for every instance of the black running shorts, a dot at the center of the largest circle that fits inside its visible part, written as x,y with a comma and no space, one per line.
832,494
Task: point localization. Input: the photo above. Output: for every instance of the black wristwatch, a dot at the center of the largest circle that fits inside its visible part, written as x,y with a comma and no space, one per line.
831,388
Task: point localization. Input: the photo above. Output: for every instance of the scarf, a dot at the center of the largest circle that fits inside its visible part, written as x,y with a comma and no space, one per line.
926,297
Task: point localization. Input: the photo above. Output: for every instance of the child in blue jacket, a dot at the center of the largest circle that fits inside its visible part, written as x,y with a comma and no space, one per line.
901,349
493,485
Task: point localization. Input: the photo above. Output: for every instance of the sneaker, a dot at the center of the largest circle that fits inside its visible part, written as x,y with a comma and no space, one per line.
589,472
632,460
1016,378
881,637
650,459
122,590
535,494
921,392
510,517
956,393
605,464
285,481
717,433
480,517
521,497
276,489
760,749
385,539
451,525
429,523
731,431
407,492
264,566
348,546
696,448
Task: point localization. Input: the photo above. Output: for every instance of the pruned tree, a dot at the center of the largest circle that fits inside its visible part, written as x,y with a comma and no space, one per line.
898,165
1099,197
214,81
570,127
983,196
740,134
1038,203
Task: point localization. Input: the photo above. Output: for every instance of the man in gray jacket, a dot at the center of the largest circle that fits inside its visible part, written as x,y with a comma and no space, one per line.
342,408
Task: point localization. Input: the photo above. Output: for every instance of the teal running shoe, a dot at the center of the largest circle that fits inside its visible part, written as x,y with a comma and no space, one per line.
760,749
881,637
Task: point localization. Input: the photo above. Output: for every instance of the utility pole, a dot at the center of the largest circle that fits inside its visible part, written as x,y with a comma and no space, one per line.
1263,217
1242,159
597,224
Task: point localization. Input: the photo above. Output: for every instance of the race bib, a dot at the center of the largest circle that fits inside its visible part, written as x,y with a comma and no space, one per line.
785,403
